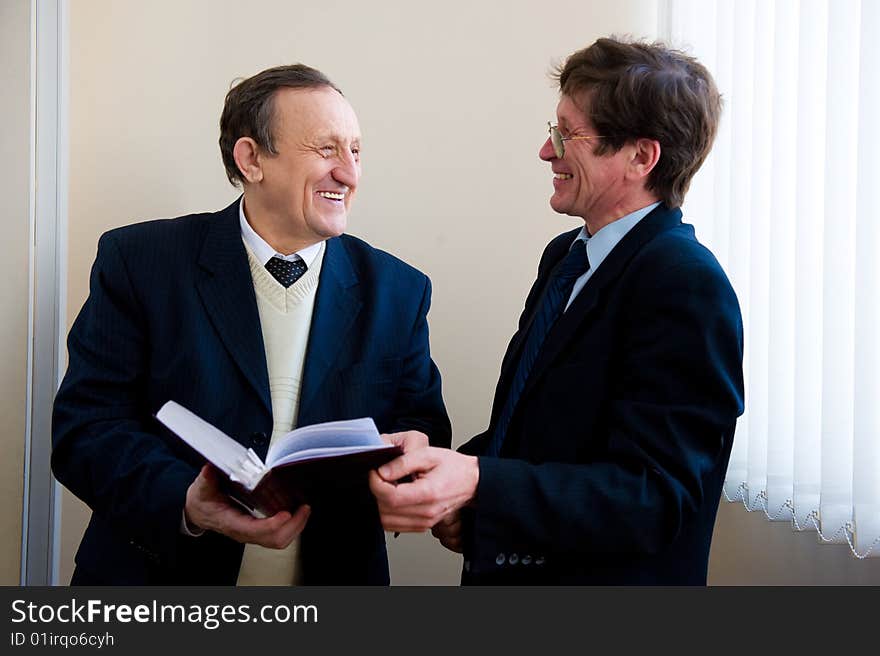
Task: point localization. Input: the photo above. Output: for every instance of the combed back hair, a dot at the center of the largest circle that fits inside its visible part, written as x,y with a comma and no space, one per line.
249,109
647,90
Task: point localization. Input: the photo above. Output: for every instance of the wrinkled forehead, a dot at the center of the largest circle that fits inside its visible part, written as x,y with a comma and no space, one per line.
574,111
308,114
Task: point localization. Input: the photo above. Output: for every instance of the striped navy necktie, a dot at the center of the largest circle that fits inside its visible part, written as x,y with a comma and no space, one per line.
575,264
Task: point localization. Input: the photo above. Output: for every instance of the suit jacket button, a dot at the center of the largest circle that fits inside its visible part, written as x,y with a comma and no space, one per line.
513,559
526,560
499,559
259,438
539,560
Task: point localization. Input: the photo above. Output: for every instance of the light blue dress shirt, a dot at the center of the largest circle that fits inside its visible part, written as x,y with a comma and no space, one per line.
603,242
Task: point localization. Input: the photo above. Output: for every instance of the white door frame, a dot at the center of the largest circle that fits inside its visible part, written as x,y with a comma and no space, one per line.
49,180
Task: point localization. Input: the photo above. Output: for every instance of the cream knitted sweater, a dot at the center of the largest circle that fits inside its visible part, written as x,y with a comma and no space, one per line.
285,319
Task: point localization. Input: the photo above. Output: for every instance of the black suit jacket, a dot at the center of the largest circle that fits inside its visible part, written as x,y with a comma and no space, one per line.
612,467
172,314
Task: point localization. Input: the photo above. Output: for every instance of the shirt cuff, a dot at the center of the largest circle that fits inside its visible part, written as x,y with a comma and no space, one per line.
188,529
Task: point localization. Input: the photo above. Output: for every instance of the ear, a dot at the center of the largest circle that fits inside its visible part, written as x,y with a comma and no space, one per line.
246,153
646,154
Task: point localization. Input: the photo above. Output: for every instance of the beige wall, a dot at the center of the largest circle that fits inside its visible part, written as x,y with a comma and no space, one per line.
14,184
453,100
749,550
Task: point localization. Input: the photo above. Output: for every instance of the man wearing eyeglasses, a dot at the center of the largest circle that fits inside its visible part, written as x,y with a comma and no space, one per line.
614,414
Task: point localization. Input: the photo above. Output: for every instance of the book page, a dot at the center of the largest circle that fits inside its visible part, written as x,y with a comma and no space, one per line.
340,437
222,451
326,452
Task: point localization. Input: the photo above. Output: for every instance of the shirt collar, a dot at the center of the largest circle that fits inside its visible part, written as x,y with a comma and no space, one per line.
603,242
263,252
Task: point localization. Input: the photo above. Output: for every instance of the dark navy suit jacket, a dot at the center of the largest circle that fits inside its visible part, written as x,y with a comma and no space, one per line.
172,314
612,466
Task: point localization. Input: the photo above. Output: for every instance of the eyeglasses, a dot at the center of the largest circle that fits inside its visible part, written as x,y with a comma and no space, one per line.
558,140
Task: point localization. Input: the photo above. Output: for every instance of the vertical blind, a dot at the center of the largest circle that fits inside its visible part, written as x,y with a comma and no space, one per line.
789,202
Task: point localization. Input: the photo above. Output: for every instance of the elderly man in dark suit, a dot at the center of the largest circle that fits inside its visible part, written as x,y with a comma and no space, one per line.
615,410
259,317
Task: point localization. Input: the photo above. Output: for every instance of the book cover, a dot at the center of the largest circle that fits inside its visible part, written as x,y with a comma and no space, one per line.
302,466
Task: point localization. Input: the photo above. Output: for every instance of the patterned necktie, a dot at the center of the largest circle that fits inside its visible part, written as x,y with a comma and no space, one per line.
559,289
286,272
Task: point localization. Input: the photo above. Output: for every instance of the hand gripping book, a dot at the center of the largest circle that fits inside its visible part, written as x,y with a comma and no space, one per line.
303,466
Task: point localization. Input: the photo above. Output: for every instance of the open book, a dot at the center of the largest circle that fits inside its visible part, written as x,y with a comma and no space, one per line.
301,466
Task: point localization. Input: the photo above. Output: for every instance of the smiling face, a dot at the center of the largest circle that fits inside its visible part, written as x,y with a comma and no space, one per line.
585,185
305,190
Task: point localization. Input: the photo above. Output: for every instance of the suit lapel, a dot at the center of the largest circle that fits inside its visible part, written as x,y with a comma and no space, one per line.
533,302
226,288
659,220
337,305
